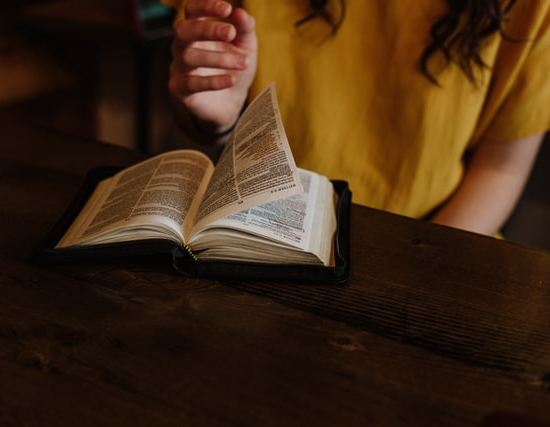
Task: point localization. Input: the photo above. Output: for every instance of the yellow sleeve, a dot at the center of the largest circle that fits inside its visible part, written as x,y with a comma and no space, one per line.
518,104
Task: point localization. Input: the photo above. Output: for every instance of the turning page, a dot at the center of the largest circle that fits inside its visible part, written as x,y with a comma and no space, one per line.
257,165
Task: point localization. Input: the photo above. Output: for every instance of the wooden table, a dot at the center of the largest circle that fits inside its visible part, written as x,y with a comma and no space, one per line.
436,326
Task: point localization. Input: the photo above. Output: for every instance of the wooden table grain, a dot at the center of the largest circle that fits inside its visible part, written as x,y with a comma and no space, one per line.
435,327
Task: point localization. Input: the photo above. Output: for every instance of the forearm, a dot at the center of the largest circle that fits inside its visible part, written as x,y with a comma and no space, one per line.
492,185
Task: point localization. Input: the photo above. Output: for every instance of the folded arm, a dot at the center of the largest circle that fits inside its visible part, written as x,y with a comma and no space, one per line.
493,182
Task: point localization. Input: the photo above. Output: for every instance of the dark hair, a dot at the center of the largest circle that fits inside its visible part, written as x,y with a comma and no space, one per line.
318,10
459,34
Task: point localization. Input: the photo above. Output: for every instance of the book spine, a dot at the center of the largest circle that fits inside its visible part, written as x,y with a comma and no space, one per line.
189,252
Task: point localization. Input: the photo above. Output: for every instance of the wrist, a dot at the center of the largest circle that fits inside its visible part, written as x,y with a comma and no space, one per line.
212,133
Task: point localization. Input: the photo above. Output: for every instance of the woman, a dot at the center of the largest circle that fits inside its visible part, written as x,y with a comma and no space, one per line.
431,109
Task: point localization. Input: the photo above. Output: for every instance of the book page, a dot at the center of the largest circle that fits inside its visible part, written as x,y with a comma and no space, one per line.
256,167
306,221
158,197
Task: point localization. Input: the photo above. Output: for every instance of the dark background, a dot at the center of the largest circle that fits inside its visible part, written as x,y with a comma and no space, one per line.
99,69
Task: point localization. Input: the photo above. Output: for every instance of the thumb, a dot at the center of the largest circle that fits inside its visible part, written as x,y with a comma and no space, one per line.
245,24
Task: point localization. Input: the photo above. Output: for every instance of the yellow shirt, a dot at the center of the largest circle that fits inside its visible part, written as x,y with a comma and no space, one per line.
356,107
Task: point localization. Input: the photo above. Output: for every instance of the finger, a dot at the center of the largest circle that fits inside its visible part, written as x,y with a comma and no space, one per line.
194,57
191,30
245,26
190,84
207,8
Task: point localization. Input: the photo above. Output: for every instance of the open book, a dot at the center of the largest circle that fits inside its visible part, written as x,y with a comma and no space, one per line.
253,208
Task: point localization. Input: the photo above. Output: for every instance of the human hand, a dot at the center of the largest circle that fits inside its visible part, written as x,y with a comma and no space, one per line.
214,54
